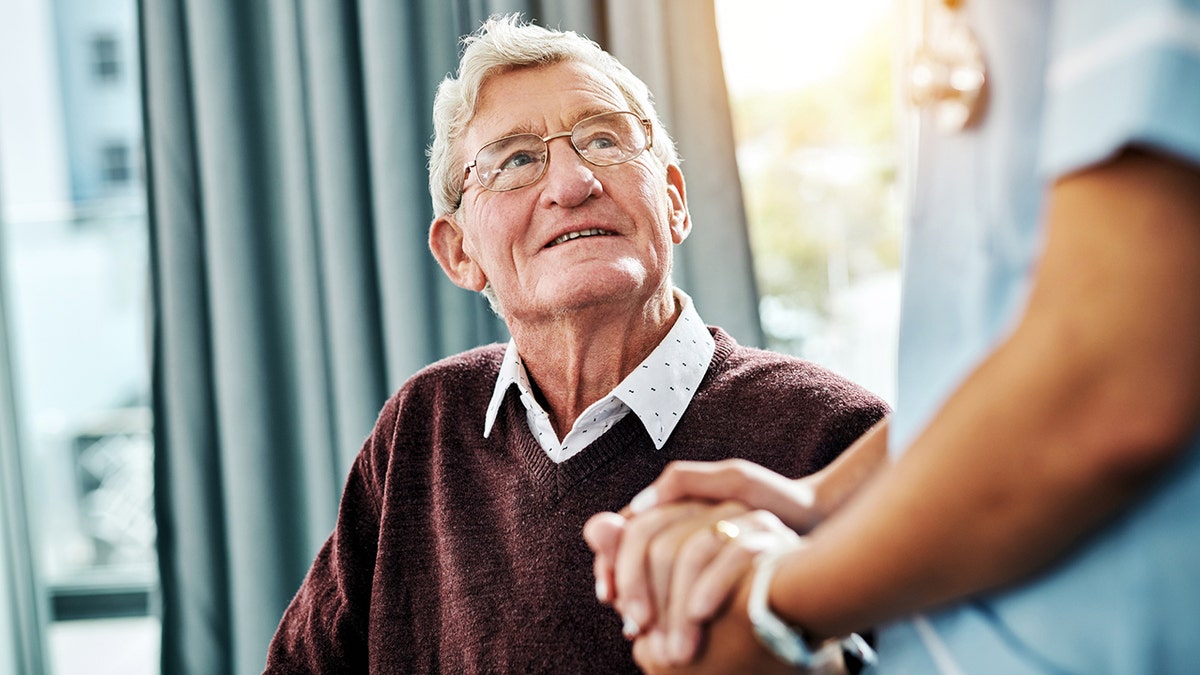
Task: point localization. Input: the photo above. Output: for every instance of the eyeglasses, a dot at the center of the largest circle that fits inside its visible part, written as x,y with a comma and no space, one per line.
517,161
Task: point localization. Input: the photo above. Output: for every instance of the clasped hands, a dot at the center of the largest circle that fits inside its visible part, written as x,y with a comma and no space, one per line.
676,563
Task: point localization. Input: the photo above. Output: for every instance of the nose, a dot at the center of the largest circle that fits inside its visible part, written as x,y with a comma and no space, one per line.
569,180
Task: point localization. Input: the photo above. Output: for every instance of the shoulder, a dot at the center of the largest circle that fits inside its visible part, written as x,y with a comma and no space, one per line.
480,363
437,399
463,379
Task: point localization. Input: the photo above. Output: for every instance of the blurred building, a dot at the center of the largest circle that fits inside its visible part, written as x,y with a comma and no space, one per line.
72,206
96,45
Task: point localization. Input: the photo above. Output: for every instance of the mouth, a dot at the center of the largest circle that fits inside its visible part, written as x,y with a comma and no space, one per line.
579,234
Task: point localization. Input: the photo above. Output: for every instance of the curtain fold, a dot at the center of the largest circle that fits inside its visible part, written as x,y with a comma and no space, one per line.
672,45
294,289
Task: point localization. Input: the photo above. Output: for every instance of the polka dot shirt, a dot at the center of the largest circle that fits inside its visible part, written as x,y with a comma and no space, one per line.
658,391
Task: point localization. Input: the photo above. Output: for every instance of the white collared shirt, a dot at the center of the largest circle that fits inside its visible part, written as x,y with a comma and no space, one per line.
658,391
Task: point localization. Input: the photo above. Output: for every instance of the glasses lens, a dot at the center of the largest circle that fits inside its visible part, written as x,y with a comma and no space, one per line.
511,162
610,138
603,140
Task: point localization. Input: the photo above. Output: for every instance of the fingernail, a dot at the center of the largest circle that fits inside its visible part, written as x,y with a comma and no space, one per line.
630,628
644,501
601,590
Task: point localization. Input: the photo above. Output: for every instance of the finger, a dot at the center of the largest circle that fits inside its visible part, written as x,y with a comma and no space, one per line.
695,555
643,655
680,551
633,586
698,552
603,533
649,652
716,583
730,480
727,479
762,531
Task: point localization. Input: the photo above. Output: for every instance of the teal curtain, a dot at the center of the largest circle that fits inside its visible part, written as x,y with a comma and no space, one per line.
293,288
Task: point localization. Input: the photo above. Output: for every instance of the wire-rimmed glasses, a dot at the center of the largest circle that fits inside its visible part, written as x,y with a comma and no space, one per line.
518,161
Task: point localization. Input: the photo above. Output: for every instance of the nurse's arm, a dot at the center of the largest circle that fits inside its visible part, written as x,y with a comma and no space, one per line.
1069,421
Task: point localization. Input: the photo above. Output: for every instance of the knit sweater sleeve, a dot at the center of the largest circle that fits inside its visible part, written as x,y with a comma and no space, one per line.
324,629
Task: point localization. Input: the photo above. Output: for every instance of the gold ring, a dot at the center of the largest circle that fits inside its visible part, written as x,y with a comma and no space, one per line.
726,529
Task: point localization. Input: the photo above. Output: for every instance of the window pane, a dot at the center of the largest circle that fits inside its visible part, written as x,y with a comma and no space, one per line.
115,167
106,58
75,242
811,91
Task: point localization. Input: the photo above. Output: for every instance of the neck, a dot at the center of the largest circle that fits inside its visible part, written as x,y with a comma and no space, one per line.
577,358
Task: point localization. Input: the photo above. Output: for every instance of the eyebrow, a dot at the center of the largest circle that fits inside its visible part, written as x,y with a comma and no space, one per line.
526,128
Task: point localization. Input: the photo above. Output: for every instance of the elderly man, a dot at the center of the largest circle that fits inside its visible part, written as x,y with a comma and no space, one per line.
458,543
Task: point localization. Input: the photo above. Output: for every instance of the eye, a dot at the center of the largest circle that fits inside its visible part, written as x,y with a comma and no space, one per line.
518,160
599,141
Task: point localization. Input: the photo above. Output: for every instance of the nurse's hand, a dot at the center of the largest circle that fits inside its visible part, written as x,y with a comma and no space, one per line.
794,501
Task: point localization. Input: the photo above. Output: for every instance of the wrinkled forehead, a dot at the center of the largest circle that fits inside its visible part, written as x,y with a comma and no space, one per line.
542,100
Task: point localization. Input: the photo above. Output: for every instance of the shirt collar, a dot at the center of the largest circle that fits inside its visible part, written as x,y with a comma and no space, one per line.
658,390
512,371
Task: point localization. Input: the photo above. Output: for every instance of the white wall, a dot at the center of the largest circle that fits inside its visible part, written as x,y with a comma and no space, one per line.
33,163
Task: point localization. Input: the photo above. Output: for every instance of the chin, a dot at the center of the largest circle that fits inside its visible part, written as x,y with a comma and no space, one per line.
583,298
627,296
588,287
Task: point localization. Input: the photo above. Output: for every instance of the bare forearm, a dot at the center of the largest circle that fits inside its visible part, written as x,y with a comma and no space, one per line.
851,471
947,523
1059,429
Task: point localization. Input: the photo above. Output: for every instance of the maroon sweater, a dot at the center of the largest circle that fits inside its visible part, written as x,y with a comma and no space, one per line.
461,554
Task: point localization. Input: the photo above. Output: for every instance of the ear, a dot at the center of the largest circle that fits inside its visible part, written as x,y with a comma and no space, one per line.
681,221
448,243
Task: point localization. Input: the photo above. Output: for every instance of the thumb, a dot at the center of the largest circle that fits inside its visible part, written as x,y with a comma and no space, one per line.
603,533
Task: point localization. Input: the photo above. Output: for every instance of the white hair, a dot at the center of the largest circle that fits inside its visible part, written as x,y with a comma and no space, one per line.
501,44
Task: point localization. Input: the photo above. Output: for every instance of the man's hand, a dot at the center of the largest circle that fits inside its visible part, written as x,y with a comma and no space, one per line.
678,569
792,501
670,569
728,646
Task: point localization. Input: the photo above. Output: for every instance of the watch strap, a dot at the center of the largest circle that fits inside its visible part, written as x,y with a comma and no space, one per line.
786,642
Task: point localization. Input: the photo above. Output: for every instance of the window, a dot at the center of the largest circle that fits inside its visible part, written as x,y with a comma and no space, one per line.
810,86
76,262
115,167
106,58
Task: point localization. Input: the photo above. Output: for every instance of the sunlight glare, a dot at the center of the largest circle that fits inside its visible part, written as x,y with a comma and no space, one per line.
775,45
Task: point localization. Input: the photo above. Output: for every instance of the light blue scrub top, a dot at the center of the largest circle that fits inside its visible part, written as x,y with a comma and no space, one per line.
1070,84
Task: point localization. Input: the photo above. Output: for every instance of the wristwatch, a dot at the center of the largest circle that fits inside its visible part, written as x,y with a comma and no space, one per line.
787,642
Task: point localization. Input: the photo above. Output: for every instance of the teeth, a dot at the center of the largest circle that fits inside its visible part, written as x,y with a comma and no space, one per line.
581,233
